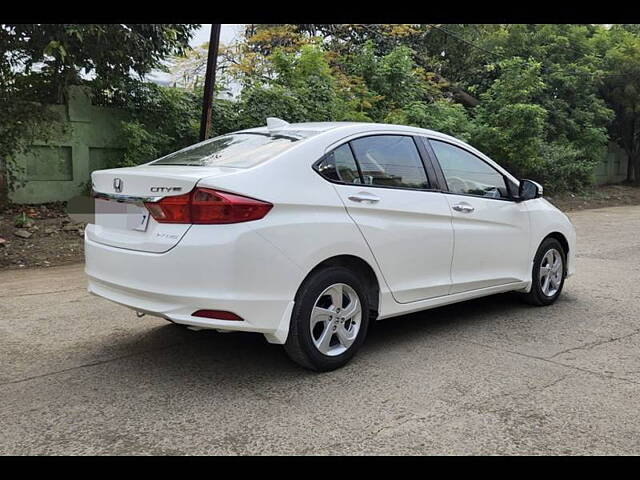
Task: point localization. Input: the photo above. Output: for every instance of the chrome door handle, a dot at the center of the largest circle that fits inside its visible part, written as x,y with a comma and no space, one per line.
363,197
463,207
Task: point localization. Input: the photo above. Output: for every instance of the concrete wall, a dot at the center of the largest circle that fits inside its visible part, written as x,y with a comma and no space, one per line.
88,138
613,168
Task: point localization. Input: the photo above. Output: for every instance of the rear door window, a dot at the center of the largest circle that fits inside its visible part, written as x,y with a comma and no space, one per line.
340,166
390,161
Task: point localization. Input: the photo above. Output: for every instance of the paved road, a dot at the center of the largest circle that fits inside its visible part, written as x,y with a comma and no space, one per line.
79,375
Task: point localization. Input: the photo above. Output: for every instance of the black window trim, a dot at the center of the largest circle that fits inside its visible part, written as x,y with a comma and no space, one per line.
432,182
442,180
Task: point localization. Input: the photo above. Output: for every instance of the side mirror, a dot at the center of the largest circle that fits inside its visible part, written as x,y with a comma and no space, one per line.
529,190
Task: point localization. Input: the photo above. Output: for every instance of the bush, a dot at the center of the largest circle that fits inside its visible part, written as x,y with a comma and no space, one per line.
442,116
563,167
258,103
163,120
141,145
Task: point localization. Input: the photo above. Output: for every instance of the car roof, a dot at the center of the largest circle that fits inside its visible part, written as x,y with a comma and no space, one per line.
315,129
309,129
306,129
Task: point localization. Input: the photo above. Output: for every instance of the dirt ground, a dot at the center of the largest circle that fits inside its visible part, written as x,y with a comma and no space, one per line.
597,197
49,237
55,239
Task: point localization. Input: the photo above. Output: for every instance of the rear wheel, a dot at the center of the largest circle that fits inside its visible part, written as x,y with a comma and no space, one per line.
329,321
549,268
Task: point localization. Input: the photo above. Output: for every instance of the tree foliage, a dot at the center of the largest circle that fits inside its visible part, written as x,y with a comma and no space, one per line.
39,61
621,90
540,99
162,120
543,100
528,95
57,54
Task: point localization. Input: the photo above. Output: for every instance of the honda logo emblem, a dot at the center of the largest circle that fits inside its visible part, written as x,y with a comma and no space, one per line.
117,184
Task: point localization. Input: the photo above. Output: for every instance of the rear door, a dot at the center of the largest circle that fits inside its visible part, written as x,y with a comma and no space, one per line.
491,230
384,185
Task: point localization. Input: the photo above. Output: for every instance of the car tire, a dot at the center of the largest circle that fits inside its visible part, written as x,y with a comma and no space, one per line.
545,289
327,327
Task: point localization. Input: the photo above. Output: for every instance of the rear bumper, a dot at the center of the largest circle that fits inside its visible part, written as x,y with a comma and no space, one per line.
221,267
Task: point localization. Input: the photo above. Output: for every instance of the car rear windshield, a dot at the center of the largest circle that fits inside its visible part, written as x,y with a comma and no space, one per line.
239,150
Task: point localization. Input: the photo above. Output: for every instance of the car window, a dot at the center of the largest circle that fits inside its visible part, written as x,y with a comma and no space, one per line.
339,165
240,150
467,174
390,160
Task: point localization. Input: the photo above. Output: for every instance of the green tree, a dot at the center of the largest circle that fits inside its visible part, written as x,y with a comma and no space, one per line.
39,61
571,71
621,90
162,120
442,115
508,124
394,77
59,53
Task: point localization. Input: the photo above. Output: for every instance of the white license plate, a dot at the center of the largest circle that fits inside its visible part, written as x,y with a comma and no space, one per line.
122,216
141,220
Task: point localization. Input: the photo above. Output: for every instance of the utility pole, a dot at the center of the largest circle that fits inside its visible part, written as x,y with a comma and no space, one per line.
209,81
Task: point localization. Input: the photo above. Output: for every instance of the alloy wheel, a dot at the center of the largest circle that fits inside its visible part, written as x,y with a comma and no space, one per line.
551,271
335,319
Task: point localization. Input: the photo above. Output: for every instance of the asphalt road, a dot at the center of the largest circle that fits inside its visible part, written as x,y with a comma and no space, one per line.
79,375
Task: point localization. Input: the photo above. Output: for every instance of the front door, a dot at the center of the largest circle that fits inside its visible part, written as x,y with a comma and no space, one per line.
491,231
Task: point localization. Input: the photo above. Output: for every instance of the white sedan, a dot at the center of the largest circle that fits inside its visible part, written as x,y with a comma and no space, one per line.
308,232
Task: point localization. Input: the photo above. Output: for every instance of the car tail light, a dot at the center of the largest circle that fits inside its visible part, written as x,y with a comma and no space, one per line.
217,314
207,206
176,209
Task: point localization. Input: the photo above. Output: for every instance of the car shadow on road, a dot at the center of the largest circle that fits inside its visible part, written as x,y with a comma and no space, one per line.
240,357
449,318
495,314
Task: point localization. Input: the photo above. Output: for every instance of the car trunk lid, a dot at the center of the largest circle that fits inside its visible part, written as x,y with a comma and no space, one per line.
122,220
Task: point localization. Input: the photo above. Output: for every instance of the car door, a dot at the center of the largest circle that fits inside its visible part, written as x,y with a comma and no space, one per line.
491,230
384,186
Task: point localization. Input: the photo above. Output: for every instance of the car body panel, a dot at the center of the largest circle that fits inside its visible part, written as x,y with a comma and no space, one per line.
416,223
491,243
546,220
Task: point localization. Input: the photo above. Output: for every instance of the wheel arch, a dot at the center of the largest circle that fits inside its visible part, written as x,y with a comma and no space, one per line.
365,272
562,239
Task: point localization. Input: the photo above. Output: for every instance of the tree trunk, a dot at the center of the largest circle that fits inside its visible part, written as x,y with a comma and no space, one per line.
633,172
633,166
4,187
464,97
631,147
633,162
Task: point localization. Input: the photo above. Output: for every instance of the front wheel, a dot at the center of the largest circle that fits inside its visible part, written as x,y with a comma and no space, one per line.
549,268
329,321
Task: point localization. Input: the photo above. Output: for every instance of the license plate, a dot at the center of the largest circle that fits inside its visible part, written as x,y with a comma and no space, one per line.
142,220
123,216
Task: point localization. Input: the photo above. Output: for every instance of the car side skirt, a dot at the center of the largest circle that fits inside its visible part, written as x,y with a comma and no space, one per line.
395,309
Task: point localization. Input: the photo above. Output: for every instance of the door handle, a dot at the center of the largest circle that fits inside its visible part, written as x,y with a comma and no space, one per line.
463,207
363,197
